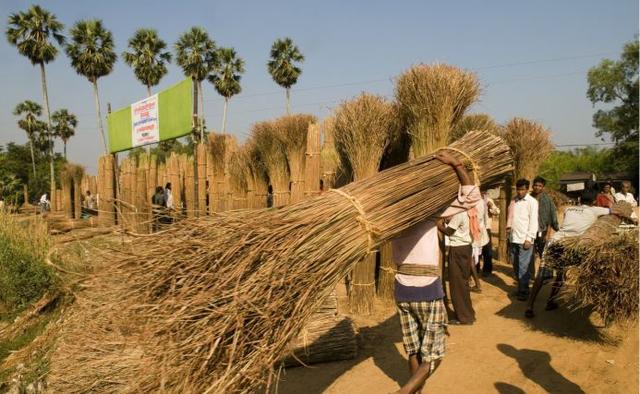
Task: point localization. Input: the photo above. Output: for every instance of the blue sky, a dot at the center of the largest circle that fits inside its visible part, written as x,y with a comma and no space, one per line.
531,57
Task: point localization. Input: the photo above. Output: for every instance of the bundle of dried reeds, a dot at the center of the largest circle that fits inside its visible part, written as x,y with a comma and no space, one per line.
432,99
239,178
257,180
221,147
473,122
71,178
362,130
602,268
106,192
273,154
292,132
210,304
530,143
312,166
330,160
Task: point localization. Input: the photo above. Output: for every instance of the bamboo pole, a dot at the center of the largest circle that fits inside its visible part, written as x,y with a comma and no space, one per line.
505,200
66,197
202,178
77,197
141,201
189,186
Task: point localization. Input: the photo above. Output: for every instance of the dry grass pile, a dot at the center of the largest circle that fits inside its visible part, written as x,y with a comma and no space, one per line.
211,304
273,154
473,122
602,269
432,99
362,131
292,132
530,143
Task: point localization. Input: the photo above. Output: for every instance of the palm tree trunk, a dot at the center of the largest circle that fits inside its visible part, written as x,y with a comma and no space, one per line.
100,128
201,111
224,114
52,179
288,100
33,158
148,91
65,149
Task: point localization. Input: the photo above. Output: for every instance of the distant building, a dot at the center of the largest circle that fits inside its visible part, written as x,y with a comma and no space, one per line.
573,183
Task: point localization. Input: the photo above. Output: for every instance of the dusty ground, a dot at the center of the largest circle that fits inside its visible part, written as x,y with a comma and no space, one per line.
557,352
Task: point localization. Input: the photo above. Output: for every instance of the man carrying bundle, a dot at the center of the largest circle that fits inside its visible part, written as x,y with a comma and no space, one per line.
577,220
419,292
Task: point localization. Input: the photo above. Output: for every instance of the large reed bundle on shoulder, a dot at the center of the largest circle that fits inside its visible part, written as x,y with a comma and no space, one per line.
602,268
530,143
273,154
210,304
292,132
362,130
432,99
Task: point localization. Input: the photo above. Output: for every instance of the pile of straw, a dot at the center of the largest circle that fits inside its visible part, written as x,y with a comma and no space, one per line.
530,143
273,154
473,122
362,131
432,99
602,269
292,132
210,304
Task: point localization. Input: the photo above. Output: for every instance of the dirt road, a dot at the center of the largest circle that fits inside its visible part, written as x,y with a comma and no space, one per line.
556,352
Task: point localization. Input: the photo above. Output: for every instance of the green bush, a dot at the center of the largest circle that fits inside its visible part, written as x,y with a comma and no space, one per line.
24,275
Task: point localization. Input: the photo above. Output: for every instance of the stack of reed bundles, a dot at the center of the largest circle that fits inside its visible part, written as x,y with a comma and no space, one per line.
471,122
173,176
530,143
292,131
201,153
238,179
71,177
153,180
212,303
258,178
273,154
312,170
106,192
221,147
187,166
362,131
142,203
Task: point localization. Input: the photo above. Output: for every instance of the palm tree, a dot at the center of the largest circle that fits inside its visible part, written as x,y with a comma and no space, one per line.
64,126
35,32
226,78
92,55
147,57
196,55
282,67
29,123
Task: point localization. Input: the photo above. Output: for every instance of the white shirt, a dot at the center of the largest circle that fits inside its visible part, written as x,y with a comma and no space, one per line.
523,219
169,198
626,198
578,219
460,223
43,199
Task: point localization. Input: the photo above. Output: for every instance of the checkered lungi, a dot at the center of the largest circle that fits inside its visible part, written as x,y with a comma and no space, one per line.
423,328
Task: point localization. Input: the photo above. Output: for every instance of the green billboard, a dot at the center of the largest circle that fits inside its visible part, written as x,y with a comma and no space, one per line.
163,116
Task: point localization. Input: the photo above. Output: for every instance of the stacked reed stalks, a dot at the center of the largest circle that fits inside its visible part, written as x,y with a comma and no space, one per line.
201,153
362,130
292,132
601,267
71,178
257,181
221,147
210,304
273,154
530,143
312,174
432,99
473,122
330,160
106,192
239,175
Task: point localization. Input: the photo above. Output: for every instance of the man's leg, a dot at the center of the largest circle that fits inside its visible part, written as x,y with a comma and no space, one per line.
418,379
537,285
555,289
487,256
525,274
514,253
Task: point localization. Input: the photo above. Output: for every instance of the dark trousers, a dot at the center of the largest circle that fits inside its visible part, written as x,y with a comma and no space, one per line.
487,256
459,273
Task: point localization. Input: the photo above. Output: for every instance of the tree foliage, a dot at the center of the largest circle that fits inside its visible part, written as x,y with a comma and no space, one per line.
196,53
226,77
32,31
91,49
147,57
614,83
597,161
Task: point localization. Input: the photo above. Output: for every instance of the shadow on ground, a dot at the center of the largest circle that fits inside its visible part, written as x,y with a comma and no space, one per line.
377,342
562,322
536,366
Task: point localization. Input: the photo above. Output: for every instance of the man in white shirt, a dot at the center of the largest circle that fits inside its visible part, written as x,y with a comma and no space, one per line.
625,194
522,227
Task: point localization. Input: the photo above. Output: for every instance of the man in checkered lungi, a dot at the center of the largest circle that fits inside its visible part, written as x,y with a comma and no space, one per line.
419,293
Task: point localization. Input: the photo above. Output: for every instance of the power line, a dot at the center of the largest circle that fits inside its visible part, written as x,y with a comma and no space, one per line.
575,145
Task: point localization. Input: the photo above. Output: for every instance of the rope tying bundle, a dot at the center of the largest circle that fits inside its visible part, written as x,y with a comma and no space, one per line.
471,165
369,227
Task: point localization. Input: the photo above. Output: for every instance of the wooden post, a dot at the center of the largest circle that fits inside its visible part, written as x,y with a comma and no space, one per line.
77,197
201,160
505,199
67,191
189,186
312,174
141,201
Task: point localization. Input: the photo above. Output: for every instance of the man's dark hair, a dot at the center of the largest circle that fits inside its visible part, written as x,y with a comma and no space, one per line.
159,189
168,186
588,197
522,183
539,179
605,184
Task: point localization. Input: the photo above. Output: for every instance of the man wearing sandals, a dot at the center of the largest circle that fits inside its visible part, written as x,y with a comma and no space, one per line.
419,293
